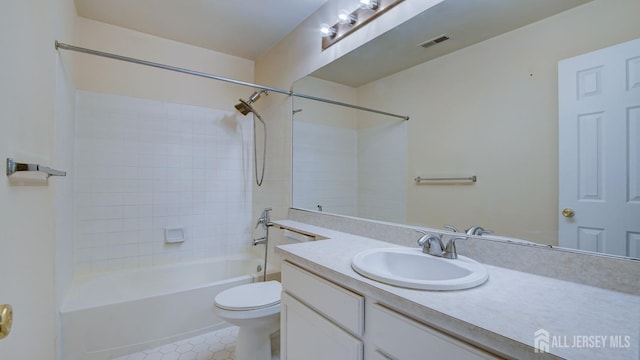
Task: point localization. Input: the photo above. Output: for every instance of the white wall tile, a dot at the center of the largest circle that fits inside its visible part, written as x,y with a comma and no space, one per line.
144,165
318,162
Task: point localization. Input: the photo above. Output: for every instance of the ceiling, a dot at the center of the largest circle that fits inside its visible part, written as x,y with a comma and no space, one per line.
466,22
243,28
249,28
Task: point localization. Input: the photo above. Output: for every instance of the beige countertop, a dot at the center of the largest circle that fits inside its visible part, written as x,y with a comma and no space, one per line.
502,315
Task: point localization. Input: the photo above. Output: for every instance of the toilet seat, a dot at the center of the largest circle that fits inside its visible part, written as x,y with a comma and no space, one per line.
252,296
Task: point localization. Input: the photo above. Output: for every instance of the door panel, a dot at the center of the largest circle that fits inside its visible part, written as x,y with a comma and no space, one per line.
599,128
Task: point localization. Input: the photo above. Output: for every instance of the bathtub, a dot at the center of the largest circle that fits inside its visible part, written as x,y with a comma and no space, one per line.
117,313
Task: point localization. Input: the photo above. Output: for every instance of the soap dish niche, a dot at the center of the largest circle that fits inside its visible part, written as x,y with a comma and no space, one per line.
174,235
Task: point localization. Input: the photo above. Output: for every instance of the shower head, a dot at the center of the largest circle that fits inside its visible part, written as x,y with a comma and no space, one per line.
244,107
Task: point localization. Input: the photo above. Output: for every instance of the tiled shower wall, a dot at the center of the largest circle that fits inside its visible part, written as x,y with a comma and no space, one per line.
356,172
143,166
325,166
382,169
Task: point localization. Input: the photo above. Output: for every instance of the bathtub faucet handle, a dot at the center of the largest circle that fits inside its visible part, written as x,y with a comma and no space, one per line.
264,219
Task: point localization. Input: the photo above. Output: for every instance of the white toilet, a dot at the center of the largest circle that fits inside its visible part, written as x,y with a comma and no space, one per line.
255,309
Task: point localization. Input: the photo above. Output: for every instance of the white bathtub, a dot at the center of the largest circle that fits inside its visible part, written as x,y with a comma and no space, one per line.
113,314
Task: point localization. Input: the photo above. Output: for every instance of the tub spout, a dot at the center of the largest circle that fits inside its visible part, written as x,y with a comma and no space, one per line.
259,241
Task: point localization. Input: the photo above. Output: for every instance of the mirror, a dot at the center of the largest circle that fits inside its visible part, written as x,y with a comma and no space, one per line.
483,103
347,161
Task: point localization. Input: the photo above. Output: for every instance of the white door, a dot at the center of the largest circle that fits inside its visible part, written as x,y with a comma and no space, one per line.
599,145
27,83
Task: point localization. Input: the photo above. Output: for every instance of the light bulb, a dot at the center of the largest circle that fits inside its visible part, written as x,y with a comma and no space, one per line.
369,4
327,31
344,17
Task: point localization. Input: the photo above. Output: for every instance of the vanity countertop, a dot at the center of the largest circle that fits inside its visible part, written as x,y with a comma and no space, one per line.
501,315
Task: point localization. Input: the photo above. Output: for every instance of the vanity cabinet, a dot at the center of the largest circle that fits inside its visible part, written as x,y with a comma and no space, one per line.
321,320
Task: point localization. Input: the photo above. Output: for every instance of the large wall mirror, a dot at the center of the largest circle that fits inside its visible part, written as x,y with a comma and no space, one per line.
483,103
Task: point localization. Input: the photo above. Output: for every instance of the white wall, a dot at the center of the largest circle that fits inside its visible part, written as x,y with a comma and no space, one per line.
63,157
36,105
116,77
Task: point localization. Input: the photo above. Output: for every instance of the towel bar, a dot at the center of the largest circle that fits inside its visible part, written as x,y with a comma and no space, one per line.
14,167
419,179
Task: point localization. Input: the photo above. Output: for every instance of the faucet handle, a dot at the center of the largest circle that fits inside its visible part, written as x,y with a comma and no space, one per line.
450,251
426,241
451,227
478,230
423,238
264,219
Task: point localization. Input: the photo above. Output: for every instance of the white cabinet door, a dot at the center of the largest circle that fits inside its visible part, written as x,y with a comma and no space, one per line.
599,145
309,336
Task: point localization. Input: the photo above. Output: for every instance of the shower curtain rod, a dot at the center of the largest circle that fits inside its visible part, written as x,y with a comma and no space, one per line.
64,46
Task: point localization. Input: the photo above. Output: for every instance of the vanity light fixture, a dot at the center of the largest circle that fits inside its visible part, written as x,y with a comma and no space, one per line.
349,22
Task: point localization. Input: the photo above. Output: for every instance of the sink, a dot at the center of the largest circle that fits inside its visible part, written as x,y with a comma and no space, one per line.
411,268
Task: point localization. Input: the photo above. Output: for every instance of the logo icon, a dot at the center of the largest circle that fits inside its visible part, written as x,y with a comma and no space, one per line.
541,341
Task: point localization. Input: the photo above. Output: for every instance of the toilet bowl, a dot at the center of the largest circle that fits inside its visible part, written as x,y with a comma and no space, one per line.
255,309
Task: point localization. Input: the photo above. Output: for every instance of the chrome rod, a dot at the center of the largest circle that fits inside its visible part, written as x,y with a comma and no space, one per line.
64,46
470,178
14,167
310,97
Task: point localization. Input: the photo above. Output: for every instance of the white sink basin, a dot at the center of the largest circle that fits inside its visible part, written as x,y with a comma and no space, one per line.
411,268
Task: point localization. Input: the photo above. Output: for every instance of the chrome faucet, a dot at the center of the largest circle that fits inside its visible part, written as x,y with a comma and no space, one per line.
450,251
432,244
427,242
259,241
478,230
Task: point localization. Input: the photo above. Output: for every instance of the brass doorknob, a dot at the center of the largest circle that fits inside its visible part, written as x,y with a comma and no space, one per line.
6,319
568,212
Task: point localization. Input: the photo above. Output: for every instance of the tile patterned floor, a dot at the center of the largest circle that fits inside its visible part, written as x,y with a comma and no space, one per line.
218,345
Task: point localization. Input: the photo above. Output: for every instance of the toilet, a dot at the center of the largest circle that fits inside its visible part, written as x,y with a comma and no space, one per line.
255,309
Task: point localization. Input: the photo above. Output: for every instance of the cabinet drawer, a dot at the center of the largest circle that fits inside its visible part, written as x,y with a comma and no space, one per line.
399,337
342,306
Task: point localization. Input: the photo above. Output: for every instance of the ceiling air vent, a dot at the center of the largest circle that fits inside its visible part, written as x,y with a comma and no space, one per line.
434,41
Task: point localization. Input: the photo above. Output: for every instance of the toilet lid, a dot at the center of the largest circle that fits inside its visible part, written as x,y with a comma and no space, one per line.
250,296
